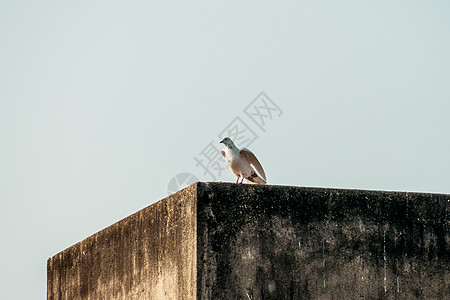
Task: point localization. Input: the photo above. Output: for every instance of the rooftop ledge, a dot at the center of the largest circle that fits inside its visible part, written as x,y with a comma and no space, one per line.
229,241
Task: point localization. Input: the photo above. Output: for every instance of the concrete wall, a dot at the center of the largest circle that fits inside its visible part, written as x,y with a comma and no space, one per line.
274,242
148,255
228,241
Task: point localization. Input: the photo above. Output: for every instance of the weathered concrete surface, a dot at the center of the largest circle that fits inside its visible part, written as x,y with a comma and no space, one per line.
275,242
148,255
228,241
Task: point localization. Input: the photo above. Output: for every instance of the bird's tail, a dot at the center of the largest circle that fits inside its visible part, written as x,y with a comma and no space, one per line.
255,180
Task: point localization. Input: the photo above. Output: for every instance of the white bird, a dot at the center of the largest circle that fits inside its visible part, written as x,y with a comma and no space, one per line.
240,160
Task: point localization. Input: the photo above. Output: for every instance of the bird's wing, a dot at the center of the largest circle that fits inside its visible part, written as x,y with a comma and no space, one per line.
251,158
223,153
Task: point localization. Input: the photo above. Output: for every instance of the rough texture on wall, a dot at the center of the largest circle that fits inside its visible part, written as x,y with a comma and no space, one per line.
229,241
278,242
148,255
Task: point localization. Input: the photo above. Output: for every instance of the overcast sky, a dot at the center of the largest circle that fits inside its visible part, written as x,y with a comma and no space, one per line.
103,103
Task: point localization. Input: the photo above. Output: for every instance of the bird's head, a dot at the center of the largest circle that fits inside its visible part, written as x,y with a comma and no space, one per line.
227,142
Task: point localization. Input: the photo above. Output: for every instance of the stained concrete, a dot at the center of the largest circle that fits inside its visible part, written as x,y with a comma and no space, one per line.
274,242
148,255
228,241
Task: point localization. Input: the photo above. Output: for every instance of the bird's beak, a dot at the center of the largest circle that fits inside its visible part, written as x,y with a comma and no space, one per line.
221,141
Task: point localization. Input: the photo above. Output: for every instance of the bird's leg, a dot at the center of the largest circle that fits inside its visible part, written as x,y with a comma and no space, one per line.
237,180
242,180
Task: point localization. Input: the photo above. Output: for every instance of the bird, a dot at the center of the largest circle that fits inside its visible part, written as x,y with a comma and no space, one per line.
240,162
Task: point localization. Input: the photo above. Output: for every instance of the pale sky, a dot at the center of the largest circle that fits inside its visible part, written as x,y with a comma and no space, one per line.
102,103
